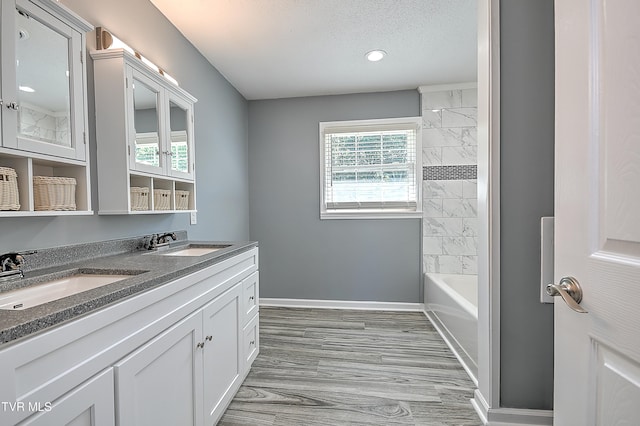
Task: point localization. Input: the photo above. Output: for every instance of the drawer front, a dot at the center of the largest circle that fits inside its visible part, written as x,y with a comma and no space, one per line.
251,342
250,295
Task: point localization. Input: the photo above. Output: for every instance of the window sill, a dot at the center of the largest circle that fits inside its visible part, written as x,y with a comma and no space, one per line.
370,214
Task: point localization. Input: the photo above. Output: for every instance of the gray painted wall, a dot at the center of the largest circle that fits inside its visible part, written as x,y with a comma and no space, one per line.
302,257
526,167
220,131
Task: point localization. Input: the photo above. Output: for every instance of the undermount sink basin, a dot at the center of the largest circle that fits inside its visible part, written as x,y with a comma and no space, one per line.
49,291
193,251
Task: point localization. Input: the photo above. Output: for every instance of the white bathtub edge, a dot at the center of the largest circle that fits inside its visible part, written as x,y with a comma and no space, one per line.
449,339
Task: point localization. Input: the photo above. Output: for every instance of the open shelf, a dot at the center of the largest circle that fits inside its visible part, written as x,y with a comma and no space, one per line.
28,167
155,187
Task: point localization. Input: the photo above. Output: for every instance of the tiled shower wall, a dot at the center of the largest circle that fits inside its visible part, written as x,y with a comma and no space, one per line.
449,156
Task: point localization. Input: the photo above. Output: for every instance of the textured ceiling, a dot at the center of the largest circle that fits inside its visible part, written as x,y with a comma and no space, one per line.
289,48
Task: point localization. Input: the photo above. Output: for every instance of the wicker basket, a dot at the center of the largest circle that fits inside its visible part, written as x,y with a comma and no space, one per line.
161,199
139,198
54,193
9,199
182,200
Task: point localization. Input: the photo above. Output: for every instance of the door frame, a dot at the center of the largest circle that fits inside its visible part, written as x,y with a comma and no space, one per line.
486,400
487,396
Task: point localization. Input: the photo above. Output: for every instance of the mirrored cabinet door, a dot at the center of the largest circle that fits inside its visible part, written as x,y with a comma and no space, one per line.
43,91
145,123
181,137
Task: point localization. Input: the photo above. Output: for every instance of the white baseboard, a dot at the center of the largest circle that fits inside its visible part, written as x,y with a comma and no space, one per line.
510,416
342,304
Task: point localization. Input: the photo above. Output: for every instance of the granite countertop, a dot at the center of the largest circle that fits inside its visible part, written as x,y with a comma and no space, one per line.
151,269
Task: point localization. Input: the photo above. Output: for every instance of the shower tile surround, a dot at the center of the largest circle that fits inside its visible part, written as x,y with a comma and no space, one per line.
449,158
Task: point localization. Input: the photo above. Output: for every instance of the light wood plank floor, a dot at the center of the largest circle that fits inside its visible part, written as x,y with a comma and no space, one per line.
338,367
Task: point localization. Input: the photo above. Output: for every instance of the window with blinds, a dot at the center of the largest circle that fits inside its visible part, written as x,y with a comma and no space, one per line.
370,168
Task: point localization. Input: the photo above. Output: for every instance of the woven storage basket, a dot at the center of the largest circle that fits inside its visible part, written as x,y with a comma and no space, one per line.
9,199
182,200
54,193
139,198
161,199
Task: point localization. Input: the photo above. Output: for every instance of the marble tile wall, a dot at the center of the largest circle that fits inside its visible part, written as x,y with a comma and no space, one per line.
449,156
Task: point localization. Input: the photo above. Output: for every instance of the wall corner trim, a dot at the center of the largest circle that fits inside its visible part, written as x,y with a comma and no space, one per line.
342,304
509,416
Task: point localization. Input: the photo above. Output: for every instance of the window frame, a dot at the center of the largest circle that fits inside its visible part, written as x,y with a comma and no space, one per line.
363,212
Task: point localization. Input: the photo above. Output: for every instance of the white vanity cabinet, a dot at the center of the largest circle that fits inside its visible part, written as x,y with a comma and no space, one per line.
188,373
144,132
43,100
172,355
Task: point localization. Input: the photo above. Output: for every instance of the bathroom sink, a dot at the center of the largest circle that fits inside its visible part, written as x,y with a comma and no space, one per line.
58,288
193,250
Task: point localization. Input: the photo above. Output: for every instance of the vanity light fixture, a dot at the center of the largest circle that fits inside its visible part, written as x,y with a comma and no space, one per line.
26,89
106,40
375,55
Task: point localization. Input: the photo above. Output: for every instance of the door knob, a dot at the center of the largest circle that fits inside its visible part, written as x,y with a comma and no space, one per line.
570,291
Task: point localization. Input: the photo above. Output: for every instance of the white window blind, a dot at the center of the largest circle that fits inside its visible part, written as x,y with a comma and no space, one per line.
370,165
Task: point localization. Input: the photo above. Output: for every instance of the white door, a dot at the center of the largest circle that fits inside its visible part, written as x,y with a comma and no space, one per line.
597,354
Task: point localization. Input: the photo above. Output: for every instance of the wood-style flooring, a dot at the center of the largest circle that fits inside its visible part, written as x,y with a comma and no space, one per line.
343,367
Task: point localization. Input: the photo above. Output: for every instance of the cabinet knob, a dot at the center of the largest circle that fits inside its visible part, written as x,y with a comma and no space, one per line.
13,106
251,343
200,345
208,338
251,298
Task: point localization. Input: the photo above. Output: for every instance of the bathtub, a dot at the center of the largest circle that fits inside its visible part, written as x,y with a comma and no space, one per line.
451,303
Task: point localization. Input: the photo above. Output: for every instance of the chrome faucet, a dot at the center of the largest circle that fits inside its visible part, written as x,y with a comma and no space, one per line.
164,238
153,241
11,265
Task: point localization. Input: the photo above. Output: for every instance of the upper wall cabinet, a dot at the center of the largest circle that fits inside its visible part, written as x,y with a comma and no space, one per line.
144,131
43,102
43,79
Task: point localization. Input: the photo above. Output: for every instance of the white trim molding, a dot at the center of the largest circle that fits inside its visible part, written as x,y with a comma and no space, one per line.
487,397
342,304
510,416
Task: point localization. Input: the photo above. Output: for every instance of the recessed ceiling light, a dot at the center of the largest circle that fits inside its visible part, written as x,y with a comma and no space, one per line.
375,55
26,89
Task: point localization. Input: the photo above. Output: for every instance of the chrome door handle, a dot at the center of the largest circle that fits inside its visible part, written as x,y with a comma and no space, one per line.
570,291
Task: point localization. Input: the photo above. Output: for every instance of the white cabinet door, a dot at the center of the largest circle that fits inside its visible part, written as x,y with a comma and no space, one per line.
222,352
161,383
180,138
597,232
145,98
90,404
43,82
